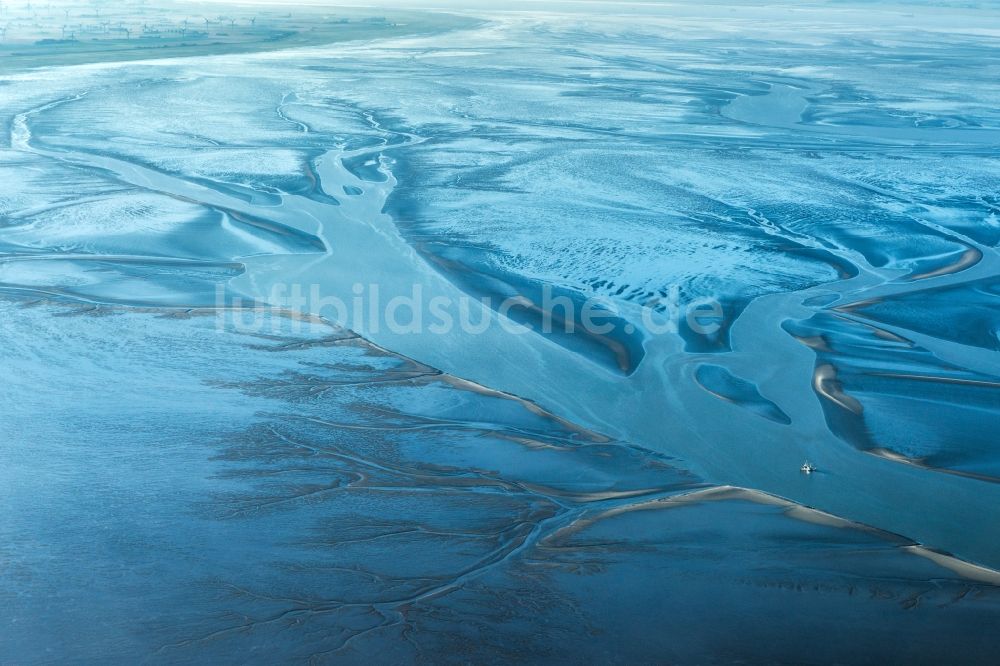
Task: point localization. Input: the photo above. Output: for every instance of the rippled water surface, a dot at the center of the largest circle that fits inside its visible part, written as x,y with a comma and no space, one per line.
198,466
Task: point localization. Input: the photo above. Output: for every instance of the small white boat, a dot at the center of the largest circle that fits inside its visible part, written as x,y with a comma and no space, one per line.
807,467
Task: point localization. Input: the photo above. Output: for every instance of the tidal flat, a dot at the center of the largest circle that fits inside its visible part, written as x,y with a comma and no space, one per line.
213,449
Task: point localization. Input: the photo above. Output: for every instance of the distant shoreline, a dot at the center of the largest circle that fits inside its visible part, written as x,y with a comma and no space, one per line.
301,29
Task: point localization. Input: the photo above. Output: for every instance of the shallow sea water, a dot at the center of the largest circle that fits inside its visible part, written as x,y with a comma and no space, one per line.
194,468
